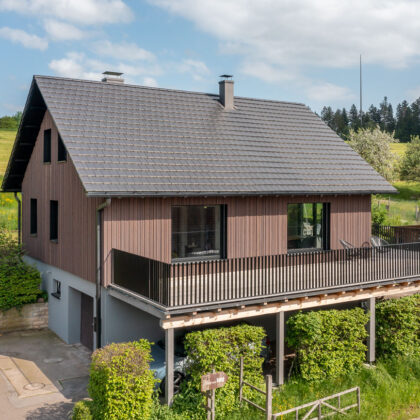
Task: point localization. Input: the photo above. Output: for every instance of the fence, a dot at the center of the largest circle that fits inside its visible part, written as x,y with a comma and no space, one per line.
397,234
309,408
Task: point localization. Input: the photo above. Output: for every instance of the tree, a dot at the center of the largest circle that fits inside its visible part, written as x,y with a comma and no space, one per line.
373,145
410,165
374,115
404,126
354,118
387,121
327,115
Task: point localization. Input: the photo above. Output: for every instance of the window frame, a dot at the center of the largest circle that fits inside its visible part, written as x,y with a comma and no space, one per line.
57,289
33,228
61,150
223,235
54,214
47,146
325,226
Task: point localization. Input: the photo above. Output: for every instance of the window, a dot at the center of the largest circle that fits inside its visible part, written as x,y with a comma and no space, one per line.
198,232
54,220
308,226
47,146
34,216
62,151
56,289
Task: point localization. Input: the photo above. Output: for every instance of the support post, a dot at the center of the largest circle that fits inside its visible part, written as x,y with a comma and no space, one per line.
280,331
269,397
169,359
371,330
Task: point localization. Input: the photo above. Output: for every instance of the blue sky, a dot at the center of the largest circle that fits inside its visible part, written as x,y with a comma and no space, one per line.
294,50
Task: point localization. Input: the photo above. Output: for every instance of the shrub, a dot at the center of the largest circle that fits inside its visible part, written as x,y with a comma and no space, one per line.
410,165
398,327
220,349
82,410
328,343
121,382
19,282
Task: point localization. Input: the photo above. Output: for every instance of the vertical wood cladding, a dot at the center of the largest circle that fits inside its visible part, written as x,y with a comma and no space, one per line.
255,225
75,249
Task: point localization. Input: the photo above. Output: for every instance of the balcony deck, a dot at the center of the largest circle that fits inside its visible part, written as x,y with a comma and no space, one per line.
238,281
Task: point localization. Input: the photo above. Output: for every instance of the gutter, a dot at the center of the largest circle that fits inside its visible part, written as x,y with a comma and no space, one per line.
98,318
19,204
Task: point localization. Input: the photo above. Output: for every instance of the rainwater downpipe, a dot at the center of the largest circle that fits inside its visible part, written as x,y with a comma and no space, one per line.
98,319
19,205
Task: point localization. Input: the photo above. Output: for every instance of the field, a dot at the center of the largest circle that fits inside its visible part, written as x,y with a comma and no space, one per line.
8,205
399,149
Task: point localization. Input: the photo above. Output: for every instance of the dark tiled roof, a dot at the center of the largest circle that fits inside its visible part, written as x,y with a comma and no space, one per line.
126,139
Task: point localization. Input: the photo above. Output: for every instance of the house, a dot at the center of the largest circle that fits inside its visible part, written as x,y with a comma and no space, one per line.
151,210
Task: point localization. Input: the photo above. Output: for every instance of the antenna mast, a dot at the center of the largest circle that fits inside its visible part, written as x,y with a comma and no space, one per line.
361,108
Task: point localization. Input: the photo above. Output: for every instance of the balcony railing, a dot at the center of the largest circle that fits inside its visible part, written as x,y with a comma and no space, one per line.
242,279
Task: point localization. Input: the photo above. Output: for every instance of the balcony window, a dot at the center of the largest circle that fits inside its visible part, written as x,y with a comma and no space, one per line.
198,232
308,226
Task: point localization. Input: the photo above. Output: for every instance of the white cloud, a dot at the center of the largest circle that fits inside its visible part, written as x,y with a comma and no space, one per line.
85,12
78,65
197,69
328,92
61,31
127,51
21,37
150,81
279,40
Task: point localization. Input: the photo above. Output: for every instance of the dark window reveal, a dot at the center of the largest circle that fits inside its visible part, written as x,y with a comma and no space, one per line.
47,146
34,216
62,151
57,289
54,220
308,226
198,232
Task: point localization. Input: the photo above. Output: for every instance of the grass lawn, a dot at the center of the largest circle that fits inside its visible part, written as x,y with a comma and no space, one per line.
391,390
8,205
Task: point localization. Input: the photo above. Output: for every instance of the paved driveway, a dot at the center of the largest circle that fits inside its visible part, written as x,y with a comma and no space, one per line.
40,376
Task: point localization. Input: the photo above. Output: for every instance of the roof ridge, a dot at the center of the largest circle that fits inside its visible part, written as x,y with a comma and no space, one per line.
38,76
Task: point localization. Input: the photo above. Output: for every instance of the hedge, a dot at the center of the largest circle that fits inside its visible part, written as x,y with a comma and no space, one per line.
82,410
328,343
121,383
220,349
398,327
19,282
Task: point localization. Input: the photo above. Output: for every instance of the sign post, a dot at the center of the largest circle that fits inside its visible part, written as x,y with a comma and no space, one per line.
209,383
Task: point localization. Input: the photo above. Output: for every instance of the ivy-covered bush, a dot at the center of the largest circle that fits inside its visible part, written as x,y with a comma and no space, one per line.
328,343
121,383
220,349
398,327
19,281
82,410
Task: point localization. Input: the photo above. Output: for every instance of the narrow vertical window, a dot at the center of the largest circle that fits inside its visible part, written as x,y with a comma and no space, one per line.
62,151
47,146
54,220
34,216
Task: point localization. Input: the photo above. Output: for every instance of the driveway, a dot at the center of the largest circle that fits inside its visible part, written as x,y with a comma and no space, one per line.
41,377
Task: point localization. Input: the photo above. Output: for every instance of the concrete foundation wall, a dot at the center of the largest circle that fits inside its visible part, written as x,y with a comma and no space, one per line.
28,317
64,312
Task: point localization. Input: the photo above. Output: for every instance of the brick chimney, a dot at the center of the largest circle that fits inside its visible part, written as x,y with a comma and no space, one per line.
226,92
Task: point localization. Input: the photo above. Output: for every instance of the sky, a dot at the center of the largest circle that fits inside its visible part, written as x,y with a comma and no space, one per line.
293,50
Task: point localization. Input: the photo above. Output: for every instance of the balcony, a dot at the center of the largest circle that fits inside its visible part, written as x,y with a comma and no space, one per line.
228,282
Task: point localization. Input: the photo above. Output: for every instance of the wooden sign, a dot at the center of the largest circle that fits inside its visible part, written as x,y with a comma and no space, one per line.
213,381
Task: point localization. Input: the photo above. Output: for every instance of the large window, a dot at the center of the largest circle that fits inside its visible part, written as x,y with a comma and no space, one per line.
198,232
308,226
34,216
54,220
47,146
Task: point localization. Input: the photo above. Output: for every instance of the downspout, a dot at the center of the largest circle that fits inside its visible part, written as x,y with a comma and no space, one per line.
98,318
19,217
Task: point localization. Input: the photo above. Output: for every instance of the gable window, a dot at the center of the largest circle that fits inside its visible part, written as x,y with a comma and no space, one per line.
53,220
62,151
308,226
56,289
34,216
198,232
47,146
